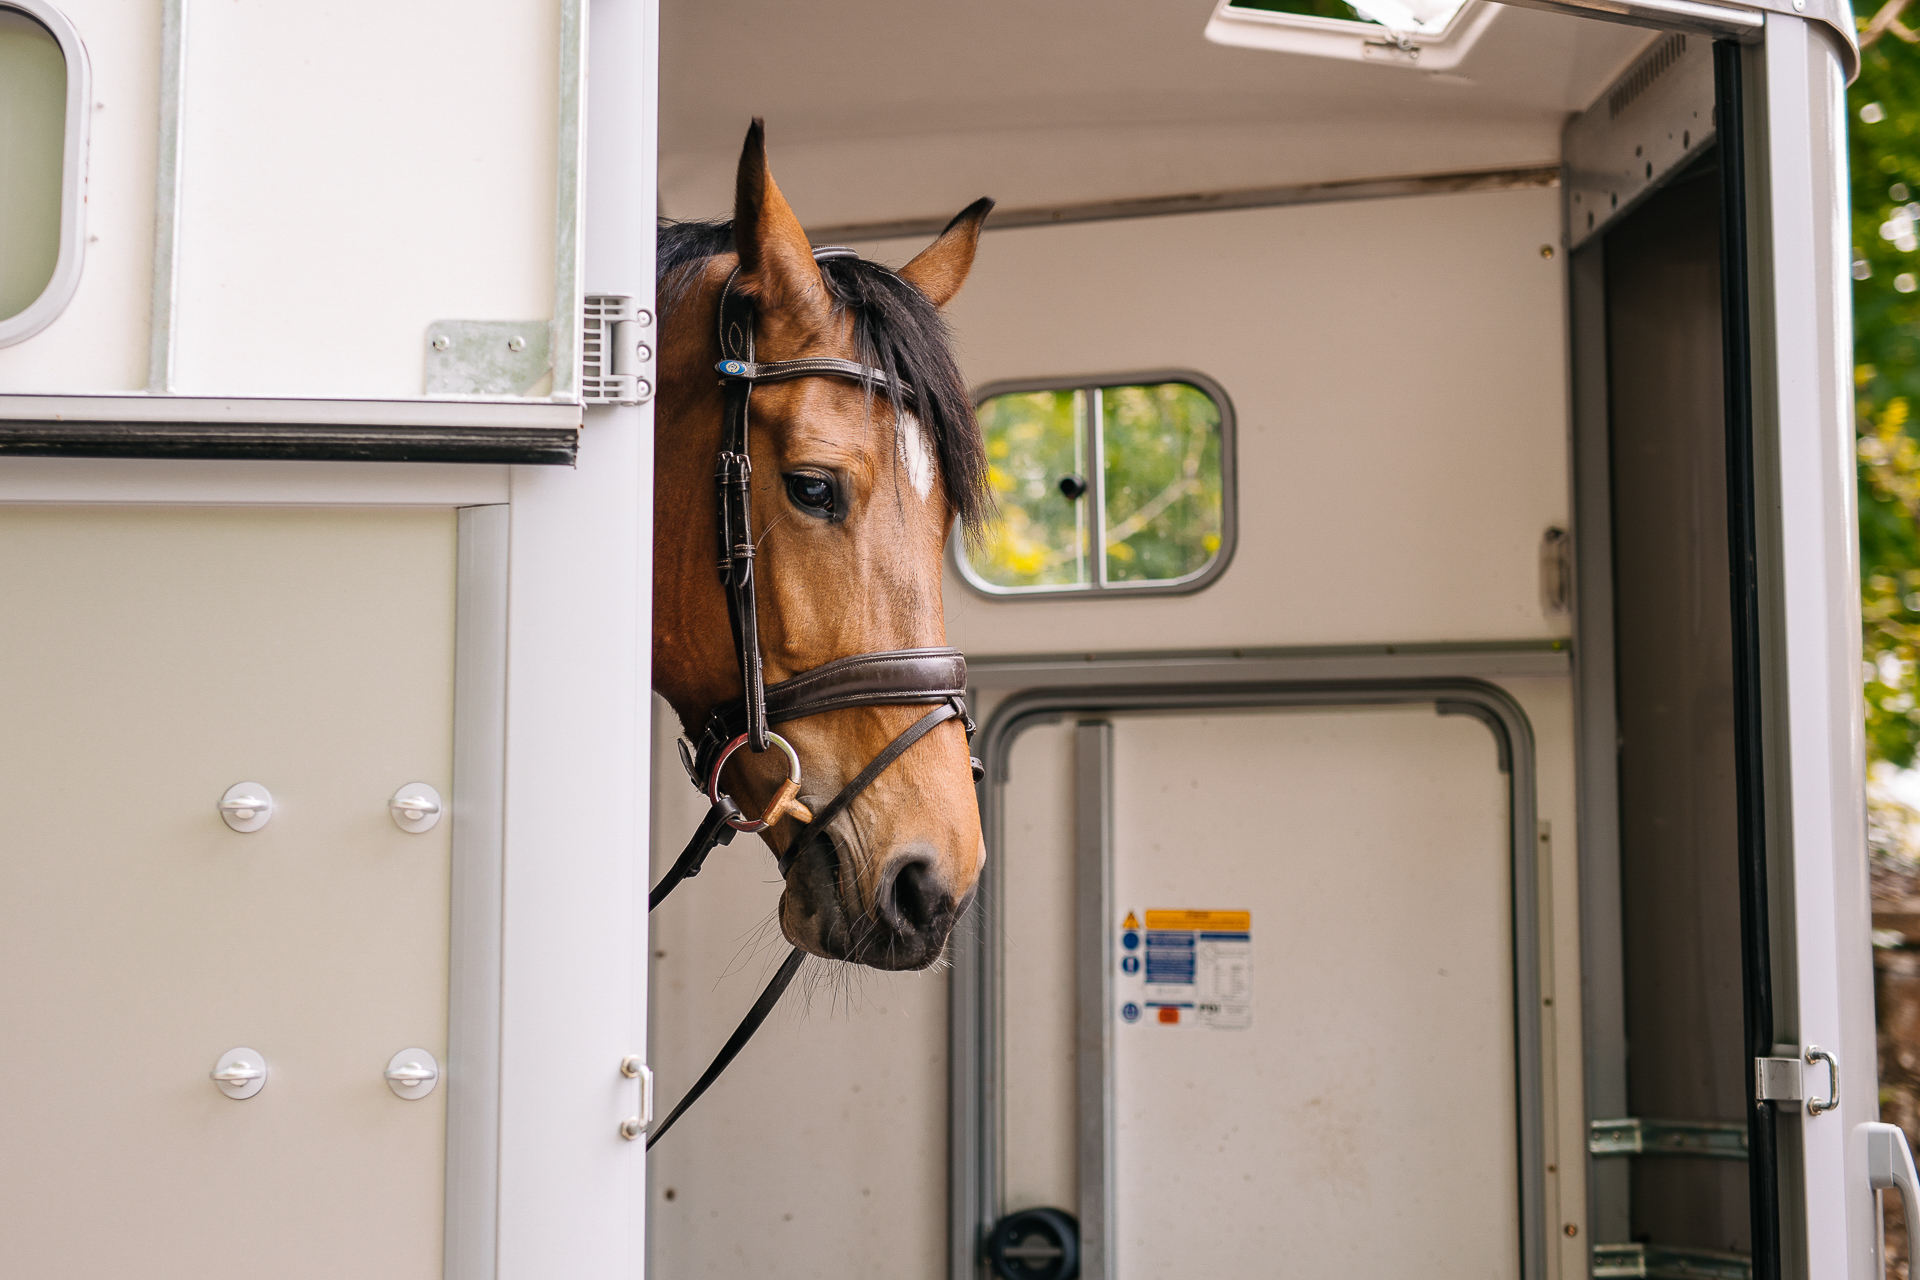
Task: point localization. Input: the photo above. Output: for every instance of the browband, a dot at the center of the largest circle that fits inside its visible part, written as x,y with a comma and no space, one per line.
899,677
808,367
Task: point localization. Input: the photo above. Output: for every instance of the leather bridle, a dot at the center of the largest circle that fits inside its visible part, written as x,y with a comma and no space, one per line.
900,677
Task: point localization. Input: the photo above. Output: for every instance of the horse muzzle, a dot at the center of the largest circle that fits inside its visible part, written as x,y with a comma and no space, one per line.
906,925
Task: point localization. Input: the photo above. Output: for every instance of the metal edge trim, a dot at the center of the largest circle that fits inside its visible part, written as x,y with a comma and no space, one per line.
477,891
569,249
138,407
553,446
973,1004
1690,16
1518,178
1470,660
168,157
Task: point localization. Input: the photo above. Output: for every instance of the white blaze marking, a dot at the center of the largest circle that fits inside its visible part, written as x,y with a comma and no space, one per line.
914,455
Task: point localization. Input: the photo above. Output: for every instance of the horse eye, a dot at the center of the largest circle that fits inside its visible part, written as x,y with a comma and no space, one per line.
815,493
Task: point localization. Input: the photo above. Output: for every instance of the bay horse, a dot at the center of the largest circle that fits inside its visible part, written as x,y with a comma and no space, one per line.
854,488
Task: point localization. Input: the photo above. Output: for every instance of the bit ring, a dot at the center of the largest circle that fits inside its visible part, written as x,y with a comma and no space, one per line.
784,801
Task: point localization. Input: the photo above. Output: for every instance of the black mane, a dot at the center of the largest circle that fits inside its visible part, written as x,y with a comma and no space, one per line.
895,328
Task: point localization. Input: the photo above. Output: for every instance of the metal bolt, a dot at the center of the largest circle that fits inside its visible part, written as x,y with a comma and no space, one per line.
643,353
1546,251
643,317
442,342
516,343
1572,1229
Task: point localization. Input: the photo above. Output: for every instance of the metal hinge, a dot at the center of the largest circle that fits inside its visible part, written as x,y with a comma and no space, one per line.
1721,1140
616,351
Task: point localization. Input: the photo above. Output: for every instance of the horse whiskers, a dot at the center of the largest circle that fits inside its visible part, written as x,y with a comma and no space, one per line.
771,526
755,941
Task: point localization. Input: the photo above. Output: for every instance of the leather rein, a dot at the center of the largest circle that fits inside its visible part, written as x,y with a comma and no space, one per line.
900,677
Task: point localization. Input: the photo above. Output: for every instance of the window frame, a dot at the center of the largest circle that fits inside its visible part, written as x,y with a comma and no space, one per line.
1441,50
65,280
1094,461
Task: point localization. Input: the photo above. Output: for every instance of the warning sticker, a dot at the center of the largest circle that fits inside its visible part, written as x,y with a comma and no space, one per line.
1187,968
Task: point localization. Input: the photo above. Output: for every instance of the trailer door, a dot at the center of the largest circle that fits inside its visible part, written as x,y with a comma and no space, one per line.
1264,985
1725,906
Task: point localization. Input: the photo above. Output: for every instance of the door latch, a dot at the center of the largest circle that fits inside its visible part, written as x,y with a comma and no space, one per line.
633,1069
1783,1079
1777,1080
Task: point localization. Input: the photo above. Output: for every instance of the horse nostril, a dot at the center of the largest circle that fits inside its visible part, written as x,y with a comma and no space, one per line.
916,900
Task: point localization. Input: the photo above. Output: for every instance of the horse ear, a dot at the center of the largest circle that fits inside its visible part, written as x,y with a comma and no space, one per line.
941,268
776,262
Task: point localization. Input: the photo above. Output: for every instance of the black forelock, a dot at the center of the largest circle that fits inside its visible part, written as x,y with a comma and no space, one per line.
895,329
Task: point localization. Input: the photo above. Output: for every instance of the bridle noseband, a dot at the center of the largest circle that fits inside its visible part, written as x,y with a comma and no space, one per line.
900,677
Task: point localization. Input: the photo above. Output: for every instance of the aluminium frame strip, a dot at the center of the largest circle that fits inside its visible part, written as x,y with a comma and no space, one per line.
974,1064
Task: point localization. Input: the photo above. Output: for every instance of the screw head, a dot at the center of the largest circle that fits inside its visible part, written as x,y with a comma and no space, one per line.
516,343
1546,251
441,342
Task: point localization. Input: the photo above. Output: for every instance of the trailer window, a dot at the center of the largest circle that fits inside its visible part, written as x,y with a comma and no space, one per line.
1117,487
41,101
1432,35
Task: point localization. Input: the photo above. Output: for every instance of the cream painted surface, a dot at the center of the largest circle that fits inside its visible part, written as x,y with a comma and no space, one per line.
1364,1124
1037,865
1398,371
99,343
1040,1167
1083,100
150,658
353,172
822,1150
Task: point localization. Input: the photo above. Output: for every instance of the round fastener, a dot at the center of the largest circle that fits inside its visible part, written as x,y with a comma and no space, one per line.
240,1073
441,342
516,343
416,807
246,806
412,1073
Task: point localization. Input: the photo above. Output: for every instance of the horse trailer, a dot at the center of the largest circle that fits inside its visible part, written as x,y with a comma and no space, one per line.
1414,652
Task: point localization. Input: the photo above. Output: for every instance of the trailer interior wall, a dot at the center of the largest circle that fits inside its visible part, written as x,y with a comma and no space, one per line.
1402,449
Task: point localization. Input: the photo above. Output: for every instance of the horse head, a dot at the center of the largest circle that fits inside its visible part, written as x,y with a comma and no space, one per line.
854,488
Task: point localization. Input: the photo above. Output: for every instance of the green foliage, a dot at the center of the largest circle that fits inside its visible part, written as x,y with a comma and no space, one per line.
1884,145
1163,481
1037,536
1311,8
1160,455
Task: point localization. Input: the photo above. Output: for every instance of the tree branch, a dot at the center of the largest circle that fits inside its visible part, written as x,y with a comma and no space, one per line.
1888,19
